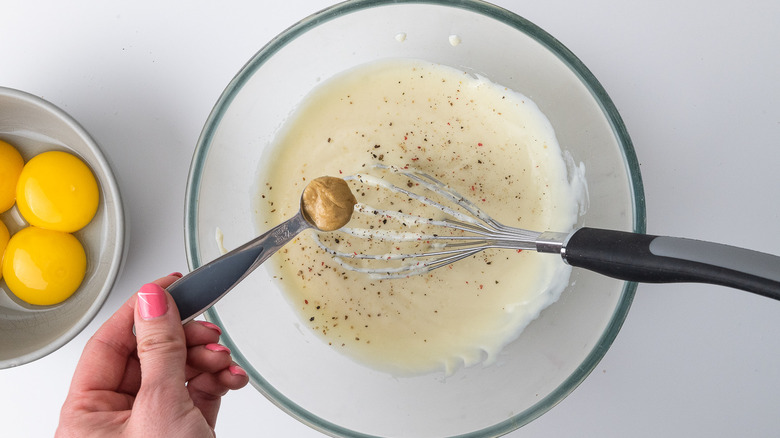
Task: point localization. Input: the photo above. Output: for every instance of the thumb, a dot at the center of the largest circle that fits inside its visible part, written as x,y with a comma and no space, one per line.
162,349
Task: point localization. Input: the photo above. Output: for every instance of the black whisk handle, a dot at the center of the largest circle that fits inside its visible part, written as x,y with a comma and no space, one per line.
661,259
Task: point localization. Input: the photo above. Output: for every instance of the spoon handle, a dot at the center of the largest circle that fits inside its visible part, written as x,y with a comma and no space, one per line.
203,287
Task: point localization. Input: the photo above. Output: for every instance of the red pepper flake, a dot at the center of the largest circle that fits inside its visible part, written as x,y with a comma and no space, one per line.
481,286
406,138
519,250
479,144
473,189
415,159
305,301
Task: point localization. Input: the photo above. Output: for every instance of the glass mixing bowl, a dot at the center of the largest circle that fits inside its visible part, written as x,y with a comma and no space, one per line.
292,366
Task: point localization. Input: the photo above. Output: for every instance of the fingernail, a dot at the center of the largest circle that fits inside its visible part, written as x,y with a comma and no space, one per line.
209,325
152,302
236,370
217,347
175,274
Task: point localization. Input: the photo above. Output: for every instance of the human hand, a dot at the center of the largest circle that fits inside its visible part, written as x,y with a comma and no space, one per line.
166,381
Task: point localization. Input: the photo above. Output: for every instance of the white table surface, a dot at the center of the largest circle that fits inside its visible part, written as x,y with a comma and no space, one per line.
696,81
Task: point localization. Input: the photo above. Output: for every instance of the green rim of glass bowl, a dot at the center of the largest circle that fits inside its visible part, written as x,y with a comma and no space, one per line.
522,25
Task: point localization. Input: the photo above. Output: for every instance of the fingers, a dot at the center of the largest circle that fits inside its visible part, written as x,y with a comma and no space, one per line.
161,346
132,378
204,353
207,389
201,332
211,372
209,358
108,361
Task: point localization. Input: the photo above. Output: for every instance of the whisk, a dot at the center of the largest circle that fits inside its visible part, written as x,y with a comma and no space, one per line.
623,255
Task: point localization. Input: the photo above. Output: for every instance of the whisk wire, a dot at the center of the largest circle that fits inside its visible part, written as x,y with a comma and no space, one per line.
479,230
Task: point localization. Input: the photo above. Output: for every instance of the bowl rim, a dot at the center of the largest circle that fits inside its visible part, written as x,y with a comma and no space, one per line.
109,185
476,6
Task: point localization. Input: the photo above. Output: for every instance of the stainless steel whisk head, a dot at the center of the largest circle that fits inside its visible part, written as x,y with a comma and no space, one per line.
463,231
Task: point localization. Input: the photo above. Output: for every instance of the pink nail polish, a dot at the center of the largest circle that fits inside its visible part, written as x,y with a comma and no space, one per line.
236,370
217,347
152,301
209,325
175,274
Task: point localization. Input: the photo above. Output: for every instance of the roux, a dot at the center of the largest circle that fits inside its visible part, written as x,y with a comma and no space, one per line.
488,143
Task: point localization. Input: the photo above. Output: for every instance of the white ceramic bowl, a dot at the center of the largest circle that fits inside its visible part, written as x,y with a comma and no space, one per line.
291,365
33,125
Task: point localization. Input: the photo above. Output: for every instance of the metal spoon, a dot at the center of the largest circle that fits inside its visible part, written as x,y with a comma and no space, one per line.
203,287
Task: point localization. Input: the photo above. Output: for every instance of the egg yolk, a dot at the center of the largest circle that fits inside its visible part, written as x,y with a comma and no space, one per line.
57,191
4,236
43,267
11,164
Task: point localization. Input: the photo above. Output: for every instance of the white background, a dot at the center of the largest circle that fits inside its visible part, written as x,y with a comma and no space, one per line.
696,81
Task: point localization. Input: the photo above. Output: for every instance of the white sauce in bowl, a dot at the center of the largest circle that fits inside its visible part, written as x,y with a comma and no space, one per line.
487,142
